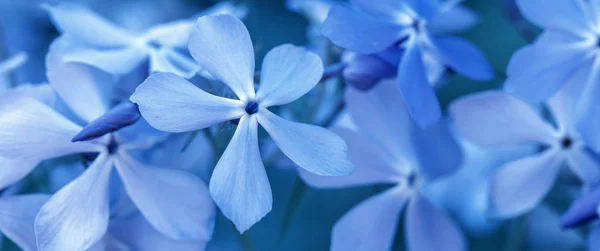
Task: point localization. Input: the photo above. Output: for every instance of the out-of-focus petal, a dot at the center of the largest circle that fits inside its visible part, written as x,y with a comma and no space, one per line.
42,92
582,211
372,224
454,19
174,34
170,103
239,184
398,11
463,57
418,93
13,170
288,72
498,119
311,147
116,61
168,60
176,203
31,130
428,228
564,15
512,190
360,32
372,165
585,164
438,153
17,216
76,217
587,121
365,71
86,26
222,46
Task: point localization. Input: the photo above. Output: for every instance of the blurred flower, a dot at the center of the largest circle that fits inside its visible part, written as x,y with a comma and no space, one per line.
77,216
373,27
391,149
239,184
497,119
17,215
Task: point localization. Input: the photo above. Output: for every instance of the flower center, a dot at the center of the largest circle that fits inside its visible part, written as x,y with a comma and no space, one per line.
251,107
113,146
566,142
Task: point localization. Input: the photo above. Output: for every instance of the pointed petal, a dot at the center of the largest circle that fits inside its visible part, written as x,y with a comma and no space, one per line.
438,153
585,164
582,211
495,118
33,131
168,60
239,184
418,93
564,15
311,147
372,165
13,170
176,203
463,57
173,34
512,191
170,103
17,216
288,72
587,121
372,224
428,228
76,217
83,88
360,32
122,115
116,61
222,46
87,26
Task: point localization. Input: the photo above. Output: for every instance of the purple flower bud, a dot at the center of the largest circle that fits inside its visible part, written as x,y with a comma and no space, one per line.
582,211
120,116
364,71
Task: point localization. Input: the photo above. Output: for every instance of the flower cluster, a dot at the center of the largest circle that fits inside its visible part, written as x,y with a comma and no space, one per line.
160,131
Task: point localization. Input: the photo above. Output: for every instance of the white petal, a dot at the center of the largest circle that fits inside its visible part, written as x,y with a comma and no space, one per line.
116,61
170,103
585,164
311,147
175,34
239,184
168,60
13,170
17,216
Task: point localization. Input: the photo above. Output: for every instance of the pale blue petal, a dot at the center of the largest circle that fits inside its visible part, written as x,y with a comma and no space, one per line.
86,26
418,93
512,191
311,147
495,118
564,15
372,224
582,211
563,105
116,61
427,228
239,10
10,64
222,46
31,130
82,88
176,203
239,184
360,32
365,71
372,165
13,170
42,92
401,12
452,20
168,60
587,118
594,239
76,217
17,216
585,164
288,72
438,153
170,103
173,34
138,234
463,57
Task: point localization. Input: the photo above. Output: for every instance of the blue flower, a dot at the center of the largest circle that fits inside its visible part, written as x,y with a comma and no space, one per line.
239,183
175,203
389,148
497,119
375,26
568,47
18,217
113,49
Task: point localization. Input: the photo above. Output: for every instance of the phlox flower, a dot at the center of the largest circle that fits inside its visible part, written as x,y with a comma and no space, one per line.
113,49
497,119
409,26
390,148
239,183
76,217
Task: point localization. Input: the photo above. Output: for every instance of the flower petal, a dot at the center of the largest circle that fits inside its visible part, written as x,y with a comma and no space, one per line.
239,184
453,20
564,15
176,203
170,103
512,191
288,72
17,215
173,34
373,165
418,93
33,131
363,72
116,61
360,32
399,11
13,170
463,57
83,88
86,26
587,121
168,60
495,118
585,164
222,46
428,228
76,217
313,148
371,225
438,153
